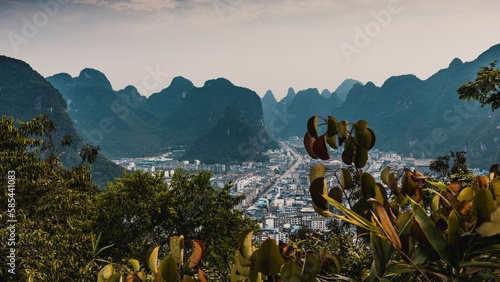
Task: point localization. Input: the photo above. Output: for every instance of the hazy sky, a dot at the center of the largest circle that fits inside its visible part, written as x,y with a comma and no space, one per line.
258,44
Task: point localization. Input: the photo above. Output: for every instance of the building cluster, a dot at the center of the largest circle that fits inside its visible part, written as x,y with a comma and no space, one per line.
277,192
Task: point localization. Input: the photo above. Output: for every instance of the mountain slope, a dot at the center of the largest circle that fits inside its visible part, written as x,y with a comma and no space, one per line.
230,141
25,94
345,87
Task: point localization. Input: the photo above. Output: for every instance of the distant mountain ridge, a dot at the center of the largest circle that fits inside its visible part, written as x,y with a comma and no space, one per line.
25,94
178,115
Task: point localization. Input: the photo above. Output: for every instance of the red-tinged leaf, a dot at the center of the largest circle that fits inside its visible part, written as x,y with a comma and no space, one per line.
455,187
348,153
387,226
202,276
308,144
482,181
321,149
198,253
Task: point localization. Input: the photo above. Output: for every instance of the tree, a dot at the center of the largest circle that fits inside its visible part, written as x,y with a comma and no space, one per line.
140,211
54,207
459,169
485,89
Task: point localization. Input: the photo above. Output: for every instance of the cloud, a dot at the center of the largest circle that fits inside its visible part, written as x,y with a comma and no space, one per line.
132,5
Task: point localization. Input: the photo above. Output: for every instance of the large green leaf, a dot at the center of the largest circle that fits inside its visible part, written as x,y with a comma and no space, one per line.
351,216
484,204
177,248
440,186
384,175
168,269
363,135
495,188
336,194
152,259
291,271
105,273
312,126
360,157
267,259
323,212
348,153
116,277
241,264
332,141
245,243
317,171
453,228
493,227
368,186
343,128
331,124
311,268
136,266
445,251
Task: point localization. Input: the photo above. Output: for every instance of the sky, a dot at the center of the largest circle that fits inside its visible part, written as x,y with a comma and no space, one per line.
258,44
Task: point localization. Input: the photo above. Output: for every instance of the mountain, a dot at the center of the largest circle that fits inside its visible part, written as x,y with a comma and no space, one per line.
345,87
305,104
230,141
201,108
326,93
25,94
410,115
126,124
107,118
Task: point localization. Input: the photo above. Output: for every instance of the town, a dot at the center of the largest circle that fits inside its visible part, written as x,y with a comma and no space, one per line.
276,192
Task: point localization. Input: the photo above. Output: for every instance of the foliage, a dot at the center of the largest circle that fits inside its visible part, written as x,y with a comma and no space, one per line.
54,206
459,169
283,262
456,237
170,269
485,89
140,211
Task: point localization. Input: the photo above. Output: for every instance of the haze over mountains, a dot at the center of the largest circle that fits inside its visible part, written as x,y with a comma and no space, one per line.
221,122
408,115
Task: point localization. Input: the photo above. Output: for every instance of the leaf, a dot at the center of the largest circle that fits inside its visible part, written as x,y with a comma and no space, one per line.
168,269
348,152
336,194
105,273
235,277
495,188
454,187
434,236
360,156
320,148
317,189
188,278
202,276
386,224
117,277
245,244
136,266
453,228
291,271
312,126
440,186
241,264
384,175
381,195
308,144
493,227
343,128
317,171
363,135
152,259
367,186
177,248
345,178
198,253
311,268
483,204
332,142
409,183
374,139
466,194
267,259
331,125
324,213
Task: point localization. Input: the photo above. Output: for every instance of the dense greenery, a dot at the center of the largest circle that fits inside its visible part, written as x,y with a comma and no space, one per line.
484,89
60,214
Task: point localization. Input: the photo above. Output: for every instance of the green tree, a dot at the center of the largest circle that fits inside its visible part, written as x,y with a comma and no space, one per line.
458,171
485,89
54,206
140,211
